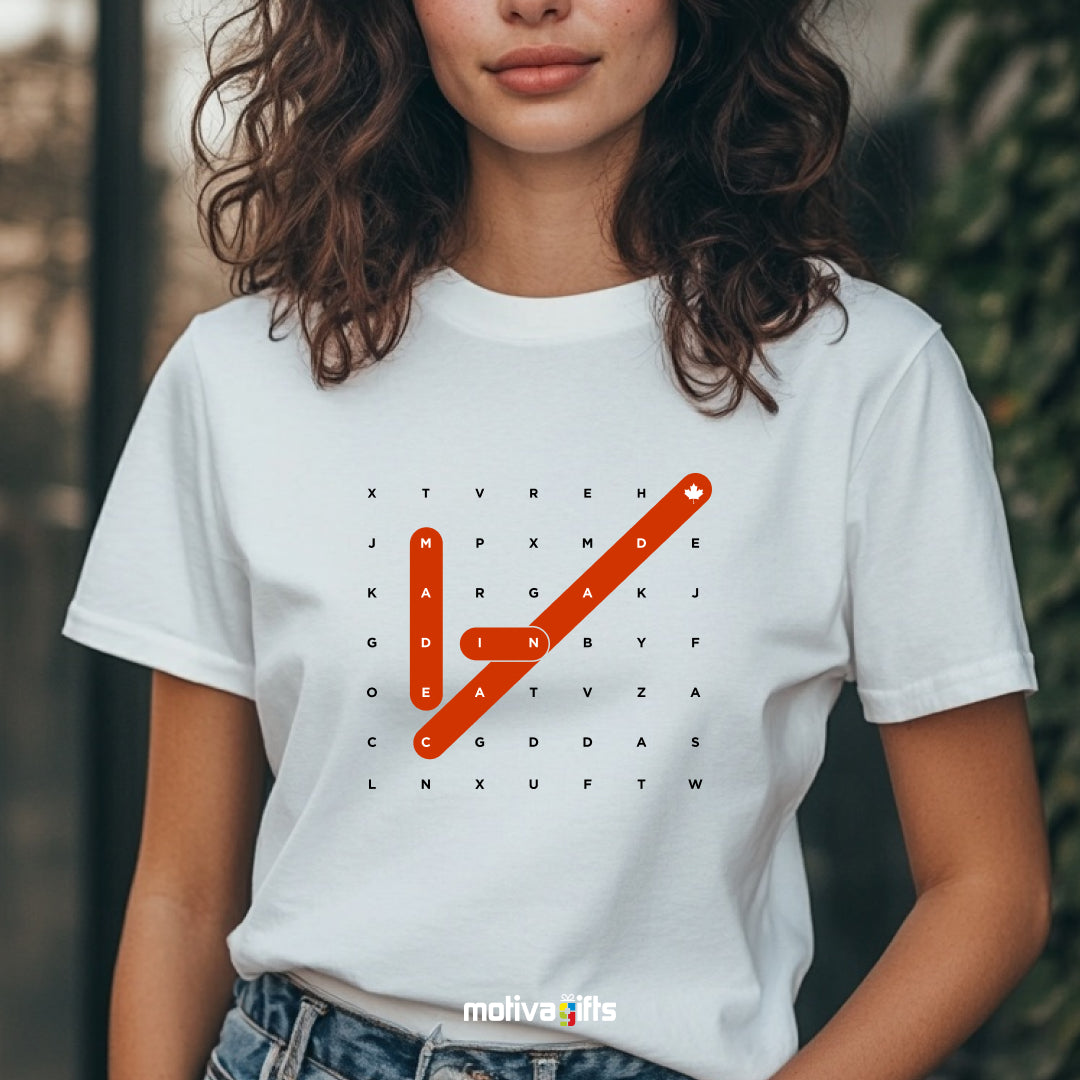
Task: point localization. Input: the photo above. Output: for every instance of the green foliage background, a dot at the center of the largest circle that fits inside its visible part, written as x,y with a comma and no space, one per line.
995,254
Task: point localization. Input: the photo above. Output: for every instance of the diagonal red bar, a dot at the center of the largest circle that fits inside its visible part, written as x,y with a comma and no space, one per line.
613,567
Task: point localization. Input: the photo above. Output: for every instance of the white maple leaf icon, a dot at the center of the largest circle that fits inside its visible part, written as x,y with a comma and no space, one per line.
693,492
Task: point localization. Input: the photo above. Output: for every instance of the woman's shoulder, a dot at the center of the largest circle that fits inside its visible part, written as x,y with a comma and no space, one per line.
877,312
244,320
237,339
867,337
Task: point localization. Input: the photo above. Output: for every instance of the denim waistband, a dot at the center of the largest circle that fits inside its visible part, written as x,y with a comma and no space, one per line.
358,1046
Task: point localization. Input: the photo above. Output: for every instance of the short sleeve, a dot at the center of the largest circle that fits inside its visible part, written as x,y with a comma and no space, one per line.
934,609
160,584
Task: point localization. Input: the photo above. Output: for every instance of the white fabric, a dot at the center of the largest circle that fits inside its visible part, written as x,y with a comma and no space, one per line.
857,534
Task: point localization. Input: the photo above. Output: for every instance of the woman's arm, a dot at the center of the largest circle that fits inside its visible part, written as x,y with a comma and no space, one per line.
173,978
967,793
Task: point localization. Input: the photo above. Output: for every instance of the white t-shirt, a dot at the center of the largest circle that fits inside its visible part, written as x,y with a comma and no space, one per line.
612,822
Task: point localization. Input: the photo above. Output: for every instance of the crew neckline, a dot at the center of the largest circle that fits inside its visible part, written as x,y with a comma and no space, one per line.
492,314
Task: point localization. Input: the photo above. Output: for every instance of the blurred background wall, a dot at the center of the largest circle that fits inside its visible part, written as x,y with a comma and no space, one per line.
965,136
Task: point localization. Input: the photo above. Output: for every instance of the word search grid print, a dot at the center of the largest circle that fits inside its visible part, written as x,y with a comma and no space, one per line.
509,651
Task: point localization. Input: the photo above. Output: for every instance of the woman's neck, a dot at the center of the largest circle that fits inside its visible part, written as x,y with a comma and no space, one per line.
533,223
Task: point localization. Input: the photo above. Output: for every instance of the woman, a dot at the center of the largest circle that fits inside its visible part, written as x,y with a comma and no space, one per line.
532,555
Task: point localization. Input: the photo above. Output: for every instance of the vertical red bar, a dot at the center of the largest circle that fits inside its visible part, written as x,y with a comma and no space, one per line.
425,618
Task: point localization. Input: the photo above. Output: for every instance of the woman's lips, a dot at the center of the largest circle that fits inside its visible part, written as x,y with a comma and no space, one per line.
544,78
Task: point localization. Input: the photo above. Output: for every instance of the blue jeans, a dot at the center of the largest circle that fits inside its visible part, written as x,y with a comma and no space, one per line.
279,1030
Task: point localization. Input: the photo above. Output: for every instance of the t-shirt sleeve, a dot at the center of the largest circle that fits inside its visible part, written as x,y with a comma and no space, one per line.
934,609
161,582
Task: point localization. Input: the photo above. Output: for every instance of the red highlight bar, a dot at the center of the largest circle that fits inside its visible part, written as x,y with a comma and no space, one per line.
425,618
504,643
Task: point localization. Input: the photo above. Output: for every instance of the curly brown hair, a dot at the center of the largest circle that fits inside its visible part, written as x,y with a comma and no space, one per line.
347,168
